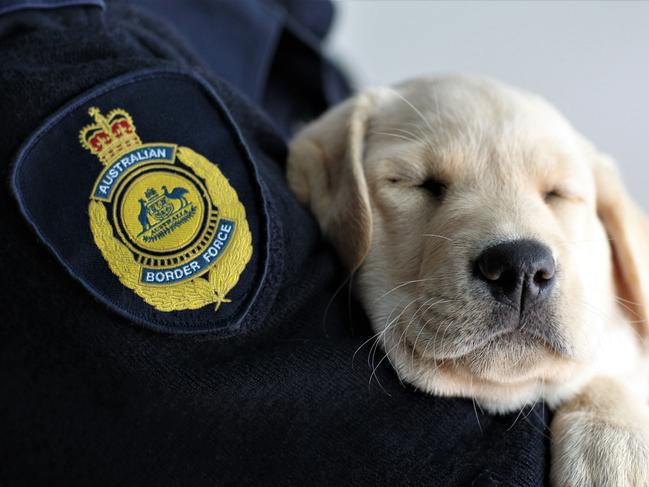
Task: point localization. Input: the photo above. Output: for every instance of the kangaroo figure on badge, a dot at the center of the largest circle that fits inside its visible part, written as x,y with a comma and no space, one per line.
177,194
144,216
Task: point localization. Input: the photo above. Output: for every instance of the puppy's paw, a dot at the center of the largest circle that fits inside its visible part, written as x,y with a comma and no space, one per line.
601,438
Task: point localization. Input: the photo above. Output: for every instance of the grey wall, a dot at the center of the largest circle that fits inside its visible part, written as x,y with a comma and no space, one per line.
590,59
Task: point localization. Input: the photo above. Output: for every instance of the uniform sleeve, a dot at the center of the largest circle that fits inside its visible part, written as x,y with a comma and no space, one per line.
170,313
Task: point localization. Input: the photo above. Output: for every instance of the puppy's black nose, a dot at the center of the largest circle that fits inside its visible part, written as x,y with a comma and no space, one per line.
519,272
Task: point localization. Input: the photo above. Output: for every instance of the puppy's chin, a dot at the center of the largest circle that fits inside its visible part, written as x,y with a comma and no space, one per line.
512,358
503,374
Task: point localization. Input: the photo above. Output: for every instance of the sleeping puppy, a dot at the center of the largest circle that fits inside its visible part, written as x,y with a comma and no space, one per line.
498,257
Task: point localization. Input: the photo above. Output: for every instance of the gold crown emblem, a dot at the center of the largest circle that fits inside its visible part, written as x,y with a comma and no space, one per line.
110,136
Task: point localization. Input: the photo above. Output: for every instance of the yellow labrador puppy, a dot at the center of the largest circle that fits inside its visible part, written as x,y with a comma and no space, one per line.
498,257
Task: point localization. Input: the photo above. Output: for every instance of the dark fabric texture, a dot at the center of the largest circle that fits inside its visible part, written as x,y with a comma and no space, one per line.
7,6
89,398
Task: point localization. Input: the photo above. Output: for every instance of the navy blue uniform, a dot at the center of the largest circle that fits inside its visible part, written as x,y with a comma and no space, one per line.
169,311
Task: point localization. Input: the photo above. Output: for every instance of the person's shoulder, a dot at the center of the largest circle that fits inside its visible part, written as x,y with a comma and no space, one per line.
142,176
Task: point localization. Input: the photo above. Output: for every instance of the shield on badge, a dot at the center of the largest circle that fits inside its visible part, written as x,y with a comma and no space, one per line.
160,208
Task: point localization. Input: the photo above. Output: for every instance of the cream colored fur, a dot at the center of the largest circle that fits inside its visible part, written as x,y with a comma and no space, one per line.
514,168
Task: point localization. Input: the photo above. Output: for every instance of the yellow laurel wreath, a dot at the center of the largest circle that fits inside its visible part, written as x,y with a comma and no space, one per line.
197,292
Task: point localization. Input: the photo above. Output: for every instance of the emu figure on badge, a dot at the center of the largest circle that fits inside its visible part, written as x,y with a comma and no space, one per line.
177,194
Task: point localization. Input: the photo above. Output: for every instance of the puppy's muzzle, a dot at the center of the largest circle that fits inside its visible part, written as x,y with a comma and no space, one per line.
520,273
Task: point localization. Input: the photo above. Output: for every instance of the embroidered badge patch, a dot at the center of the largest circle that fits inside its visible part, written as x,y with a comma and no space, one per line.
147,192
165,218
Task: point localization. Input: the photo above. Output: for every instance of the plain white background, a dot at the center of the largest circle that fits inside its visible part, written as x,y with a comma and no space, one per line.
589,59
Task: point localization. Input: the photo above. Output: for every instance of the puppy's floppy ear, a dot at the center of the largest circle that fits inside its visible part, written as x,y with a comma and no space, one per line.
325,171
628,230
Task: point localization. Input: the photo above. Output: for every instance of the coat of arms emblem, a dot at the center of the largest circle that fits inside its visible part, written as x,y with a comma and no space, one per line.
165,218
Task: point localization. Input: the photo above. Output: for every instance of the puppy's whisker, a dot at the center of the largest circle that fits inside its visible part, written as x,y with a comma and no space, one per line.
387,352
541,418
405,330
437,236
449,322
625,304
618,298
526,416
373,337
414,108
338,290
388,323
437,329
422,328
448,326
414,347
432,341
399,136
382,337
426,136
379,335
415,137
421,138
421,116
516,418
477,418
372,354
410,322
375,368
583,332
607,318
420,308
399,286
393,365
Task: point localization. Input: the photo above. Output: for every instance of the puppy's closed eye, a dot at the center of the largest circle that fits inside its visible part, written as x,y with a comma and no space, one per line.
436,188
433,187
562,193
552,194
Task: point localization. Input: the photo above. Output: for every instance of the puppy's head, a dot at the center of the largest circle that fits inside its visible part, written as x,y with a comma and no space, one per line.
496,252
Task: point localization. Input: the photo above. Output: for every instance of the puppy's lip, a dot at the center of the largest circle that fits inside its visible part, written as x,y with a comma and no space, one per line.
460,353
548,339
551,342
454,366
